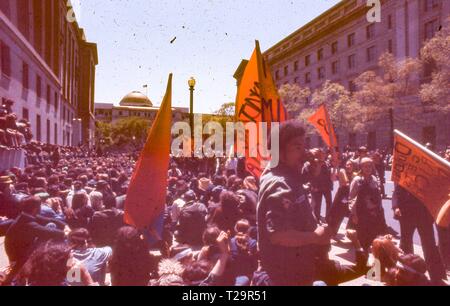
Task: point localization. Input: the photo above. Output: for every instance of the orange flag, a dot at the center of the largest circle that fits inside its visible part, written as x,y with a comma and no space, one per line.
258,101
424,174
146,195
322,122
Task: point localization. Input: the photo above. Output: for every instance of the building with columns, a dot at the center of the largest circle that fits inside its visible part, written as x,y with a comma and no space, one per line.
135,104
340,44
47,68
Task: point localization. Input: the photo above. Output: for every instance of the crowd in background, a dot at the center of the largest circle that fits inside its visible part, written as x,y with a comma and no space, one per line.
62,216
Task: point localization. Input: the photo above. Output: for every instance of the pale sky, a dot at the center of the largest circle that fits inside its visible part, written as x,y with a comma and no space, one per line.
212,37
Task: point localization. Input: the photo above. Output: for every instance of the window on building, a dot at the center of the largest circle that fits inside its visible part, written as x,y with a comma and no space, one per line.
370,31
308,77
335,67
307,60
55,99
371,54
48,131
55,131
296,81
431,4
372,141
23,17
431,29
25,76
352,61
390,46
334,47
286,71
277,74
38,128
351,40
320,54
38,87
5,59
321,73
49,95
390,22
25,114
296,66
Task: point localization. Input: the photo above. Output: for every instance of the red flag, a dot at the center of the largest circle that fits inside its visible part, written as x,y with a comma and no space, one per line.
146,195
258,101
322,122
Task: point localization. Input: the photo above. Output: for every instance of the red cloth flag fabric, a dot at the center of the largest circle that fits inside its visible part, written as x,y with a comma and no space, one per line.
322,122
146,196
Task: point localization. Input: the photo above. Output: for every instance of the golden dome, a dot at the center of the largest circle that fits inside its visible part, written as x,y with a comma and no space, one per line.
136,98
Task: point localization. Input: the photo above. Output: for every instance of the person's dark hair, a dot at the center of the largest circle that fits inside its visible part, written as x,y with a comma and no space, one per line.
288,131
131,263
229,203
47,266
220,180
196,272
79,200
79,238
30,204
210,236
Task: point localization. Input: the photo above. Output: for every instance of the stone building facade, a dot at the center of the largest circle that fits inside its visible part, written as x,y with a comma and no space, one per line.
341,43
47,68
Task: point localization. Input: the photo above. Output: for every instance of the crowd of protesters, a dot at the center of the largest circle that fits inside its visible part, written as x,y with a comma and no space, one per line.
62,219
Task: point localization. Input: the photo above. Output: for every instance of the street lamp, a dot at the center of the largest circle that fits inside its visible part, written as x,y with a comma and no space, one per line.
191,84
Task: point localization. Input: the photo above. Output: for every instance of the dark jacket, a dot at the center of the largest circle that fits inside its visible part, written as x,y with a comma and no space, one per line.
25,232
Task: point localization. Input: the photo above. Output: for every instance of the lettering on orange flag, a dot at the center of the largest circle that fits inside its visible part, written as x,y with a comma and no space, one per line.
424,174
322,122
258,101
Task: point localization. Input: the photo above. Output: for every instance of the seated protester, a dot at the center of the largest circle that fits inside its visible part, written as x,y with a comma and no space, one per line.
28,230
131,263
210,250
9,198
247,205
96,200
104,225
226,216
205,187
191,222
205,272
81,213
214,202
52,209
243,262
397,268
94,259
77,189
109,198
50,265
366,207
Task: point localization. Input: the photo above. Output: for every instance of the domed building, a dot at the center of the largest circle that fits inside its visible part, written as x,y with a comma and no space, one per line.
136,99
134,104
